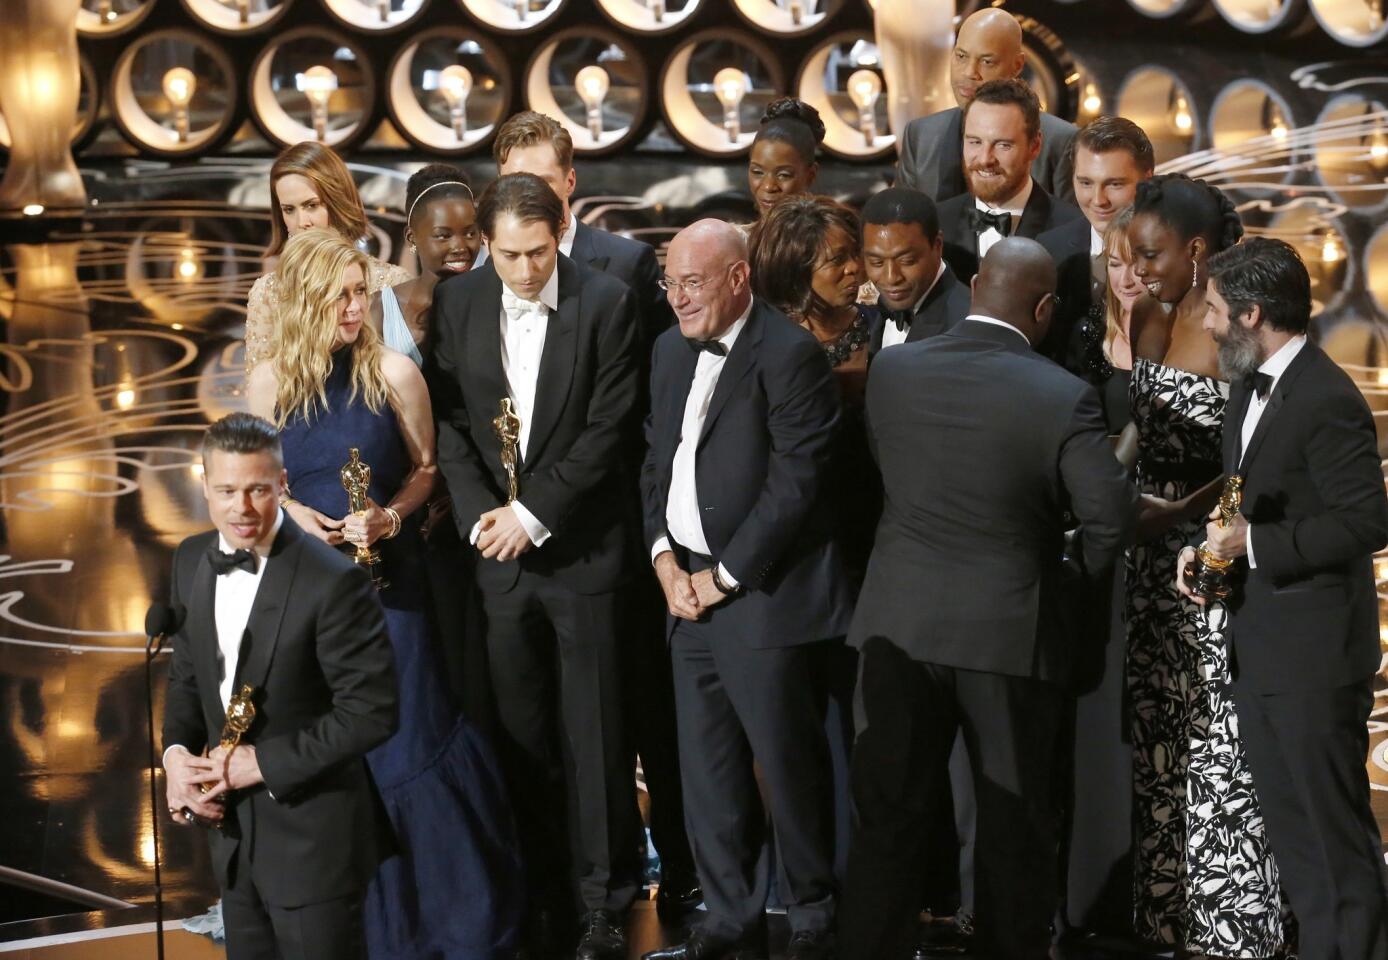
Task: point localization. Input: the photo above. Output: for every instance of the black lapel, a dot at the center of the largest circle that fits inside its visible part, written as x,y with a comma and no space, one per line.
1279,395
556,361
681,378
482,343
271,601
879,328
951,154
1035,214
201,631
585,248
1234,412
929,319
735,367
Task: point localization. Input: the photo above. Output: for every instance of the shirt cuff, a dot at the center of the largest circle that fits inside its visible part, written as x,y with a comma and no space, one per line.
476,530
534,529
1248,546
164,758
727,577
661,546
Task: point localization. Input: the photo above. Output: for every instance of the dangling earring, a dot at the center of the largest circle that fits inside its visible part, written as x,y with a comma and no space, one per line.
413,248
1194,273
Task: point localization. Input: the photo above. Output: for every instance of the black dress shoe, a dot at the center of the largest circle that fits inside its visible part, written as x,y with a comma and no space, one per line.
601,937
677,898
811,945
701,946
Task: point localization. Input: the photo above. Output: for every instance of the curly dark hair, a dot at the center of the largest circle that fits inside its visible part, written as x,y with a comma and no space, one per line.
792,121
785,244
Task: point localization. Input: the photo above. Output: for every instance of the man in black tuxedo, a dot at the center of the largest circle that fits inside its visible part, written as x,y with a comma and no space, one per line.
557,340
983,445
1111,156
988,47
299,834
1303,618
743,412
1002,135
902,251
531,142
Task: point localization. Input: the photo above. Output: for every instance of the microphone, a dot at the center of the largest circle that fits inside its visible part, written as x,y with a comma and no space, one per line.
162,620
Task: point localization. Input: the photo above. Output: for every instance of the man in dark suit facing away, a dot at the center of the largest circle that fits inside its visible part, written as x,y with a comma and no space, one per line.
743,413
903,254
272,608
558,341
1303,618
983,446
1002,135
988,47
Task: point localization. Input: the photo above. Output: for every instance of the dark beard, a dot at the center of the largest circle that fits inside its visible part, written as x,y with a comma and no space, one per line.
998,194
1240,352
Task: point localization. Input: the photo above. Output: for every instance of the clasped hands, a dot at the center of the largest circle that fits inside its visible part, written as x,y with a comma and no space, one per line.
687,596
222,770
1225,543
358,529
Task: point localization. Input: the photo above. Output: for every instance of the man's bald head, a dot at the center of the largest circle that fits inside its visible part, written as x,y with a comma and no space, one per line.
1016,284
708,277
988,47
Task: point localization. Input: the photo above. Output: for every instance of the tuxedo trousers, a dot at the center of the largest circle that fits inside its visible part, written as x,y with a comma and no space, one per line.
256,930
913,712
1306,750
745,711
556,678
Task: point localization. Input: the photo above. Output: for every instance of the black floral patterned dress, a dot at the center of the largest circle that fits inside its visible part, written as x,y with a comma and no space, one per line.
1204,875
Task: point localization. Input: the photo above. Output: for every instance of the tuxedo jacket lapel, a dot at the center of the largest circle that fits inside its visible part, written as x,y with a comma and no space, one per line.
1035,214
1285,384
556,361
202,632
930,318
585,251
267,612
734,369
1234,412
482,344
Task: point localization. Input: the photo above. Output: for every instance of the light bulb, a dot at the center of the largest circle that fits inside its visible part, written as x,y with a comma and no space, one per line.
455,83
864,86
657,8
1375,14
730,86
592,83
1330,248
1278,127
1378,149
243,9
1181,118
125,396
179,87
187,269
317,85
1091,103
797,12
522,9
383,7
105,12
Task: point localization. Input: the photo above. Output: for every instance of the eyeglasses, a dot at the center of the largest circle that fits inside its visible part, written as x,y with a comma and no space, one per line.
692,288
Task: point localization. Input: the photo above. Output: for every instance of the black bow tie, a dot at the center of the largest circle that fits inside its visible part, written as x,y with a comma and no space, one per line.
1260,383
902,319
227,562
710,346
982,221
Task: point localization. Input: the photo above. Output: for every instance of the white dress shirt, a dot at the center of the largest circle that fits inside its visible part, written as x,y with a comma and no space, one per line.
1096,242
1274,366
523,327
891,336
566,242
682,518
999,323
1013,208
233,595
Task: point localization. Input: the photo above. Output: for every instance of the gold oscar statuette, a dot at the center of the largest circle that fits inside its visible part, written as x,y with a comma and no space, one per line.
1207,574
507,427
356,480
240,715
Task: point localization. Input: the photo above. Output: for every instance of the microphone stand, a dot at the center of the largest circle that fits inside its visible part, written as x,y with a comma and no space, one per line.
152,648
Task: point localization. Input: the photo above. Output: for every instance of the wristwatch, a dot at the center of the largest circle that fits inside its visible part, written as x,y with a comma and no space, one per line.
721,586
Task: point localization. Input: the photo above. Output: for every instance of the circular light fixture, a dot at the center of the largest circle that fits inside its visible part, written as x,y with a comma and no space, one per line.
1355,23
1158,102
448,90
841,79
312,84
237,16
104,18
594,83
375,16
648,16
786,17
1350,151
1247,110
173,93
1262,16
1322,246
513,16
714,88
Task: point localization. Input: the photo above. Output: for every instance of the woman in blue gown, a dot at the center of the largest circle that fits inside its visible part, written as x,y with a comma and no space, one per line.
453,888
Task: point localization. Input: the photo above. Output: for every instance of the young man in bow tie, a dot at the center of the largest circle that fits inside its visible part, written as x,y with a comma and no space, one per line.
1303,616
902,249
297,836
558,340
1002,136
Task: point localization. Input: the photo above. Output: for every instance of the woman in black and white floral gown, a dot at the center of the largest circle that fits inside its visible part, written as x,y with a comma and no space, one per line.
1205,880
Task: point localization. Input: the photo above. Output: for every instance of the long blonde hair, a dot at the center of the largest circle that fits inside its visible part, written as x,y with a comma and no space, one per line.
310,280
1116,244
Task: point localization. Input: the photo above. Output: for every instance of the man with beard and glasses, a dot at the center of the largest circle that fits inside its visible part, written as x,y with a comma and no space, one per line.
1002,136
1303,618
